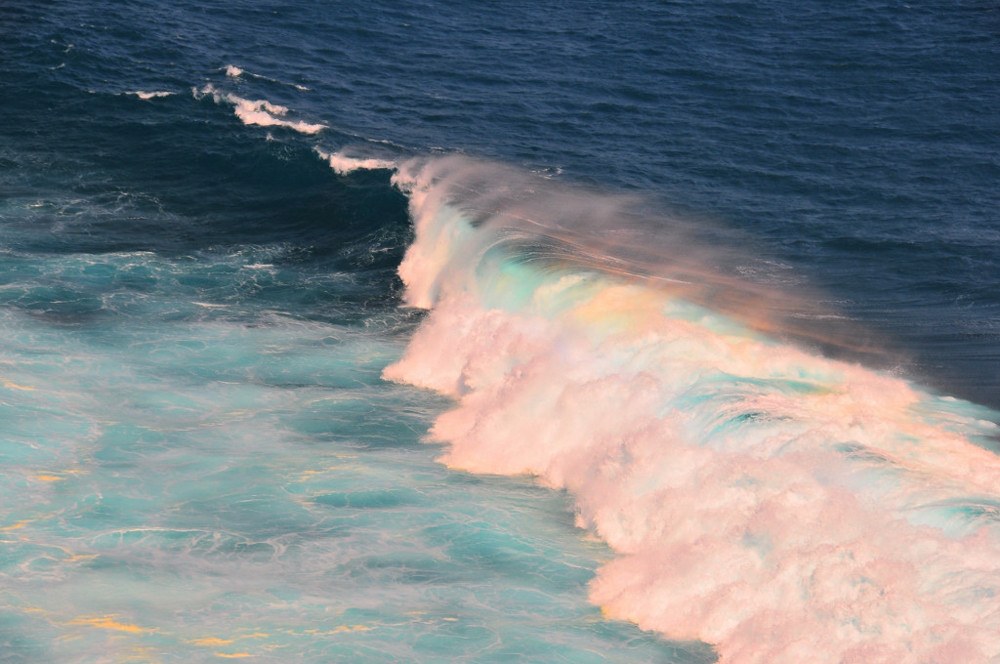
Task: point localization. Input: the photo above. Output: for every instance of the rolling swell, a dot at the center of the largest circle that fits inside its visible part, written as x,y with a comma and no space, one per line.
171,174
174,184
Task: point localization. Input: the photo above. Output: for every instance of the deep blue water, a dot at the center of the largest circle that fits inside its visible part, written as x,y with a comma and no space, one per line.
744,208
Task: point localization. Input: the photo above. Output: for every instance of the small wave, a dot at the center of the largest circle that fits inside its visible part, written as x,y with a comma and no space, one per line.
232,71
259,112
344,164
149,95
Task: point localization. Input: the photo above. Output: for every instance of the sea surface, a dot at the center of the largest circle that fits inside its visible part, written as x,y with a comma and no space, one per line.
534,331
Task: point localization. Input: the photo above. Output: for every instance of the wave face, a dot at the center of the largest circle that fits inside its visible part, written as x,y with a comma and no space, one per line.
762,498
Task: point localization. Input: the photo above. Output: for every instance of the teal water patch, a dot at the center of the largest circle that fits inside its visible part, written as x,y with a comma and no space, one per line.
193,474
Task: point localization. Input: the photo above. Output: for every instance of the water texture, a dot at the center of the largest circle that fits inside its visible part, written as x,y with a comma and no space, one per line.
541,332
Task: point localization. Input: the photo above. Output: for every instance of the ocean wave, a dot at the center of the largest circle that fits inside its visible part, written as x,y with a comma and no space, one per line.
232,71
778,504
258,112
146,96
344,164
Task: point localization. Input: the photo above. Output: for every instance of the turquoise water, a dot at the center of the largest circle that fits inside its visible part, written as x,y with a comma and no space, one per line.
543,332
188,477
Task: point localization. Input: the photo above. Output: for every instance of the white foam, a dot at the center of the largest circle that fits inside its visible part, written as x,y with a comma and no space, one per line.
344,164
150,95
232,71
260,112
784,507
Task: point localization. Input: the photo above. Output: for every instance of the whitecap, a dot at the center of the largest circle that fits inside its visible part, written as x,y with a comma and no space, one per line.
344,164
232,71
150,95
259,112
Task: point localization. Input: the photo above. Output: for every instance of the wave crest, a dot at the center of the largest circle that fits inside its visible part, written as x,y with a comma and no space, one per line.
259,112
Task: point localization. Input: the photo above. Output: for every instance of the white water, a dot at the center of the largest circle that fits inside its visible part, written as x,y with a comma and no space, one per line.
146,96
196,471
344,164
780,505
259,112
232,71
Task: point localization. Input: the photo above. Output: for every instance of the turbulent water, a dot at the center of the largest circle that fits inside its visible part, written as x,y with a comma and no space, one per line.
534,331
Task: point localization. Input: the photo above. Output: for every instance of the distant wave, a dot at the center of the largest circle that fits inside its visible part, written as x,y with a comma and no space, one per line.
344,164
780,505
150,95
259,111
232,71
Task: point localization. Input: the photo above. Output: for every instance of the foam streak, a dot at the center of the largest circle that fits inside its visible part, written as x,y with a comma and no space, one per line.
344,164
259,112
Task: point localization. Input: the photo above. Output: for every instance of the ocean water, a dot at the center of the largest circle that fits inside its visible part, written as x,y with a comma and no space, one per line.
650,331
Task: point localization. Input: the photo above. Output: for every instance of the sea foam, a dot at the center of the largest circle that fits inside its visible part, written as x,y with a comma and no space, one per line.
259,111
146,96
344,164
232,71
780,505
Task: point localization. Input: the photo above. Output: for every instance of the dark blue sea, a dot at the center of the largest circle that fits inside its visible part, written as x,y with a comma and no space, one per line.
535,331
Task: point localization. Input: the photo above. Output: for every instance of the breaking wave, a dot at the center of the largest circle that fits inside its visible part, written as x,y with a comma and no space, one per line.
761,496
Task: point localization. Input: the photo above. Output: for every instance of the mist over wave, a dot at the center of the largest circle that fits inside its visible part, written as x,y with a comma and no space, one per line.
551,224
779,504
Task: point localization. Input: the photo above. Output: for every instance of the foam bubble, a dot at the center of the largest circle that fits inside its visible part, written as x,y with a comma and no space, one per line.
780,505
